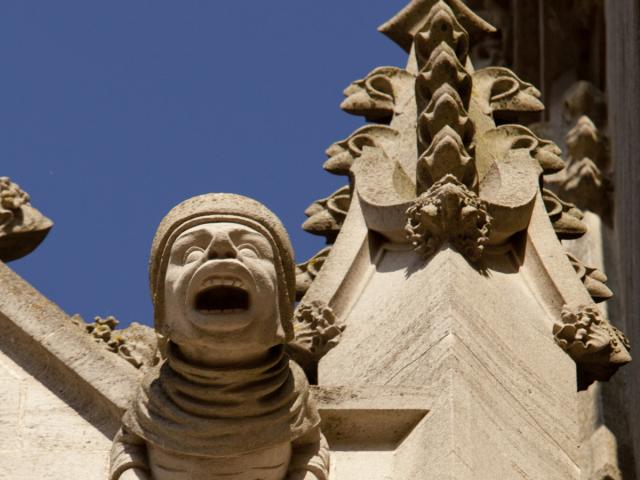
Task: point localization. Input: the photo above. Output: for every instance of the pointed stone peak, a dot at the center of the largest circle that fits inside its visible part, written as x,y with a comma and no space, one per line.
403,27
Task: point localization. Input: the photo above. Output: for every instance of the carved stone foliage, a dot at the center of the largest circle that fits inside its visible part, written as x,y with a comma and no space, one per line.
455,109
136,343
565,217
598,347
22,227
449,211
307,272
327,215
379,95
342,154
594,280
501,90
316,328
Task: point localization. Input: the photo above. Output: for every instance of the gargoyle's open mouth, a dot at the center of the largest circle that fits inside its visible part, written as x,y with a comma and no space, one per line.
222,296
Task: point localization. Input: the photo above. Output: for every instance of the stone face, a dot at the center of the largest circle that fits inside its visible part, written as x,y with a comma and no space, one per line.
225,401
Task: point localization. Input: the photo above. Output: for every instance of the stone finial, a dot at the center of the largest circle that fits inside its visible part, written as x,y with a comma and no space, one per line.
443,90
403,27
598,347
22,227
225,400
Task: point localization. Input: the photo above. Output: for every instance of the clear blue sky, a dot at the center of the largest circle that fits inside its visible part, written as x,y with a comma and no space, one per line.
112,112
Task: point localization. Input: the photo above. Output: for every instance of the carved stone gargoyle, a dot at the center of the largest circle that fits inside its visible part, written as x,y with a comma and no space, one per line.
22,227
225,402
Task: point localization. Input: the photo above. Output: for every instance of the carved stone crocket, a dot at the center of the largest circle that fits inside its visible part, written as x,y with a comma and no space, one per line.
225,401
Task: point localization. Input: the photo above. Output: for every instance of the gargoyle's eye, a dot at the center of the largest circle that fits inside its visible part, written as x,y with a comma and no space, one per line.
193,254
247,250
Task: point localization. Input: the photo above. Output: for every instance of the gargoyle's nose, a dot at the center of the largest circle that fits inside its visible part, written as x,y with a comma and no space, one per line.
221,247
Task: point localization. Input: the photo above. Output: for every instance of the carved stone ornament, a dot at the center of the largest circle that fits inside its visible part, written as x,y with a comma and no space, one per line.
136,343
327,215
593,279
441,116
598,347
226,401
585,181
317,330
565,217
307,272
22,227
449,211
379,95
452,239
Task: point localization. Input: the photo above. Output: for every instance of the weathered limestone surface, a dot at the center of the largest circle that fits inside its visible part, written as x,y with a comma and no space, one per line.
43,436
61,395
482,369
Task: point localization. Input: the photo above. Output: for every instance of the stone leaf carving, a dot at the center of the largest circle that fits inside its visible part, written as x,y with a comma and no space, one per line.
598,347
509,162
498,89
377,96
136,343
594,280
342,154
225,400
517,137
565,217
307,272
22,227
449,212
317,330
327,215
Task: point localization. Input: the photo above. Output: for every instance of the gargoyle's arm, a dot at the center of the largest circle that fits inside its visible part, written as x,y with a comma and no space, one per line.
310,455
128,453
